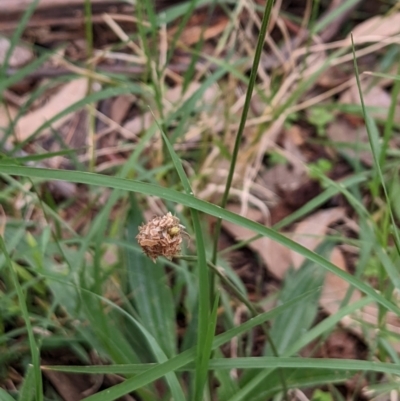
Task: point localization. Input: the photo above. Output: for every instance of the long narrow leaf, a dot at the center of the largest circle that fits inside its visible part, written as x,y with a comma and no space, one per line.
190,201
374,141
185,357
25,315
203,334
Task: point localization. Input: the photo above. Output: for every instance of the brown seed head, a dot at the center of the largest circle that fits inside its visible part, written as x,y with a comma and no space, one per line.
161,236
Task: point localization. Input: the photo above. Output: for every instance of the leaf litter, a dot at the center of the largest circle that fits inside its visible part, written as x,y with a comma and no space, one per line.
272,178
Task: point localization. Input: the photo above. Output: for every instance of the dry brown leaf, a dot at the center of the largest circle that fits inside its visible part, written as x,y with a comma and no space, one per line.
69,94
278,259
7,113
120,107
274,255
282,177
19,57
335,288
369,316
194,34
70,387
172,98
139,123
200,27
374,97
310,231
342,131
174,95
378,26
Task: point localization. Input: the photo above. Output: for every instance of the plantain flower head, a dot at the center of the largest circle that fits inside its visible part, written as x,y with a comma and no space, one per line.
161,236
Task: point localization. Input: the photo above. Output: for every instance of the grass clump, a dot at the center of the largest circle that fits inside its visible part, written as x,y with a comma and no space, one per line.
187,112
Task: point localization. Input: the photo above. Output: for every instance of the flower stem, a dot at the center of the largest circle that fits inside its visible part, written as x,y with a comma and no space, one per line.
250,306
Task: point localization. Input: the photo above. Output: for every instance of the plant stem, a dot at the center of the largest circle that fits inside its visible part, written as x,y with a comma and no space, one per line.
250,306
246,107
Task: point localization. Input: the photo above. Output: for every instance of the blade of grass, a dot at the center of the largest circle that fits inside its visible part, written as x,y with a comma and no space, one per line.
202,370
251,363
182,359
253,386
4,396
26,393
93,98
246,107
388,130
22,23
374,140
182,23
309,207
290,325
238,141
391,270
148,282
145,11
383,75
304,363
326,325
189,355
158,352
301,378
39,156
35,354
192,202
204,322
24,71
342,8
90,66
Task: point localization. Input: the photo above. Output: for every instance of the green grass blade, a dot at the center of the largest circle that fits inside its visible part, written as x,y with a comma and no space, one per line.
35,354
192,202
320,199
27,392
388,129
182,23
374,140
308,208
38,157
342,8
202,370
22,23
304,363
327,324
4,396
148,284
243,119
178,165
185,357
92,98
189,106
205,321
302,378
253,386
391,270
152,342
289,326
385,76
24,71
